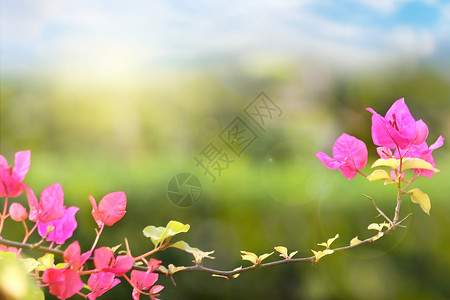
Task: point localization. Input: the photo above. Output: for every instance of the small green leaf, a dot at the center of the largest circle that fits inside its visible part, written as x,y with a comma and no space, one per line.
30,264
154,233
319,254
173,269
250,256
282,250
380,174
163,270
354,241
197,253
417,163
329,242
419,197
46,262
264,256
160,234
392,163
379,227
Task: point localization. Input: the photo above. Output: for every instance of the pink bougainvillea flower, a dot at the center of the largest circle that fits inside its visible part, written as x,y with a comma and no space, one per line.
100,283
424,152
17,212
11,179
350,155
110,209
144,280
104,261
397,129
73,258
63,228
50,206
63,283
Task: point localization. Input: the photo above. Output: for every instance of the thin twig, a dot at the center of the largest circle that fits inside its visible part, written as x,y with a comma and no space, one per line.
379,210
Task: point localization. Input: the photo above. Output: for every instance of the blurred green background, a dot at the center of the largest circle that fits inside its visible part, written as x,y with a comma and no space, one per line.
102,129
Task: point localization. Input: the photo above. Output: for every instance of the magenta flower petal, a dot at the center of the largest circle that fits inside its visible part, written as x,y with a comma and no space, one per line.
397,129
100,283
52,201
350,155
329,162
11,184
422,132
17,212
22,164
63,228
63,283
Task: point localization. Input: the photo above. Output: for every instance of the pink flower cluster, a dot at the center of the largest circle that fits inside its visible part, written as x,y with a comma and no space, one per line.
56,223
397,134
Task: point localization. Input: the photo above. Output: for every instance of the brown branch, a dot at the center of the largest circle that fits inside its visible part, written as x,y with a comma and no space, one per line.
233,273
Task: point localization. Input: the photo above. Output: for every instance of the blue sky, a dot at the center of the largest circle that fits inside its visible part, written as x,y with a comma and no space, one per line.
138,36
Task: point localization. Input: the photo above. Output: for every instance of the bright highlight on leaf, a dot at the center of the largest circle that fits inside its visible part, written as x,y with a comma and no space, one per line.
253,258
419,197
158,235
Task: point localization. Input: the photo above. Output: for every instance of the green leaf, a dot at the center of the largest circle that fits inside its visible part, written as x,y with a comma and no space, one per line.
329,242
30,264
197,253
354,241
320,254
379,227
392,163
160,234
253,258
417,163
173,269
380,174
419,197
282,250
46,262
250,256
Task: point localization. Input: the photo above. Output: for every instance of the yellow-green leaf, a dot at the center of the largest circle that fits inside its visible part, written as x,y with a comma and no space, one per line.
419,197
392,163
354,241
160,234
319,254
46,262
173,269
30,264
264,256
282,250
417,163
329,242
379,234
250,256
379,227
197,253
380,174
